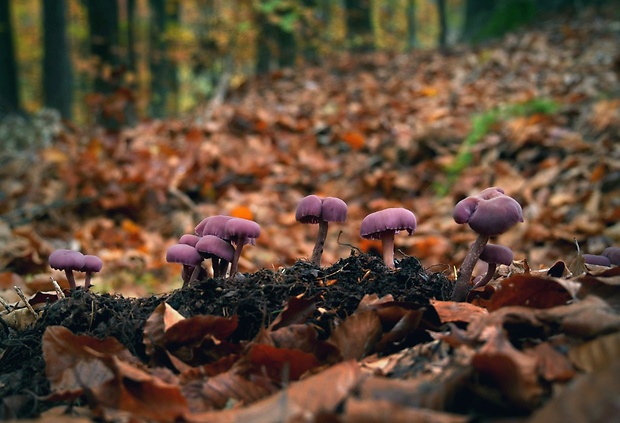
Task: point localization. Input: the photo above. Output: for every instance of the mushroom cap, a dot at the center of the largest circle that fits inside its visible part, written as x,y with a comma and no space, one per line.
92,264
597,260
613,254
184,254
309,209
497,254
489,213
66,259
215,226
387,220
189,239
238,228
210,245
201,226
334,210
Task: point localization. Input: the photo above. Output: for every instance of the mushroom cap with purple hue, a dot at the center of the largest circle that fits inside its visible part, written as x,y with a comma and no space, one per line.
334,209
92,264
189,239
211,245
489,213
183,254
597,260
63,259
497,254
216,226
388,220
201,226
309,209
613,254
238,228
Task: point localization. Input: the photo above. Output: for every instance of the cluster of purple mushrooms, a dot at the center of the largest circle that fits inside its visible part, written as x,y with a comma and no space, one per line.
221,239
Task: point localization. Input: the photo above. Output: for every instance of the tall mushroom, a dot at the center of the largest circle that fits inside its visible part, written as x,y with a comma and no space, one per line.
189,257
67,260
240,232
312,209
92,264
220,252
490,213
383,225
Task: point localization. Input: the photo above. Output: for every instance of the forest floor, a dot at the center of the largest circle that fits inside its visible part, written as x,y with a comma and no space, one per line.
536,113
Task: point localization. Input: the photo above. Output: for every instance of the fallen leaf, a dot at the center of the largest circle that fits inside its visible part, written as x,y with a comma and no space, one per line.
357,335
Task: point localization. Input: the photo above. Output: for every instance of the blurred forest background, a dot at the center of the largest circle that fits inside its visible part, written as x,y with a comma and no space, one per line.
113,62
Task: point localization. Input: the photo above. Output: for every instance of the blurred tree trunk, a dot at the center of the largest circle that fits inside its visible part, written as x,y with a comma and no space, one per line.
163,71
131,35
309,33
263,41
104,41
359,25
443,23
477,14
411,25
9,92
57,73
275,42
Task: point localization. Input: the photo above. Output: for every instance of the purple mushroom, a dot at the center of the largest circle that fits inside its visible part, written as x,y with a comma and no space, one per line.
494,255
383,225
613,254
216,226
597,260
240,232
312,210
189,257
67,260
92,264
189,239
489,213
220,252
201,225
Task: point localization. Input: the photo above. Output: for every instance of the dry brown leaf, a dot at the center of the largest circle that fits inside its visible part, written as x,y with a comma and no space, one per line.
301,401
155,327
379,411
596,354
357,335
296,310
591,397
553,366
450,311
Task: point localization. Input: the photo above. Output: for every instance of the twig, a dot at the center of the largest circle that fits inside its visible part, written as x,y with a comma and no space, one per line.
6,305
57,288
25,300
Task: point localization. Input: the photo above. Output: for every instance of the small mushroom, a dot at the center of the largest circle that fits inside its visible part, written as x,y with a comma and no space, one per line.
613,254
597,260
189,239
220,252
201,226
383,225
67,260
216,226
189,257
493,255
240,232
312,209
92,264
489,213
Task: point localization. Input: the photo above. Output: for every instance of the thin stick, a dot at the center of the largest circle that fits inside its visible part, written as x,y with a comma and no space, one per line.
23,297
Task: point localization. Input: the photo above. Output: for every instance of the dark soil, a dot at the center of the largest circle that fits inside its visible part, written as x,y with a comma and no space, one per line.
255,298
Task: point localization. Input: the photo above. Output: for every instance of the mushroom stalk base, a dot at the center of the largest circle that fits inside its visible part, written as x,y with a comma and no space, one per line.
461,286
317,253
70,278
387,245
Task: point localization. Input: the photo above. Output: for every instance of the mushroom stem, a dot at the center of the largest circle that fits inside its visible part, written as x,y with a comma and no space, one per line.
87,279
70,278
223,268
215,264
461,286
387,245
320,243
235,261
487,277
193,277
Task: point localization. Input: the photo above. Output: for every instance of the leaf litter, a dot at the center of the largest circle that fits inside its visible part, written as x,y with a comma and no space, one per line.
352,341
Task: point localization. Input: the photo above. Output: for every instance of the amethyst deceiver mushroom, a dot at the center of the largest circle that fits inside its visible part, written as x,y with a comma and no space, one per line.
597,260
189,239
67,260
201,225
489,213
189,257
312,210
240,232
216,226
613,254
493,255
383,225
92,264
220,252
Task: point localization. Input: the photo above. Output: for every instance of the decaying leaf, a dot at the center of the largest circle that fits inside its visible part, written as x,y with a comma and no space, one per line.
356,336
597,354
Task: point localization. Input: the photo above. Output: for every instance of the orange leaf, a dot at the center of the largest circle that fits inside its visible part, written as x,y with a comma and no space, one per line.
355,140
243,212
